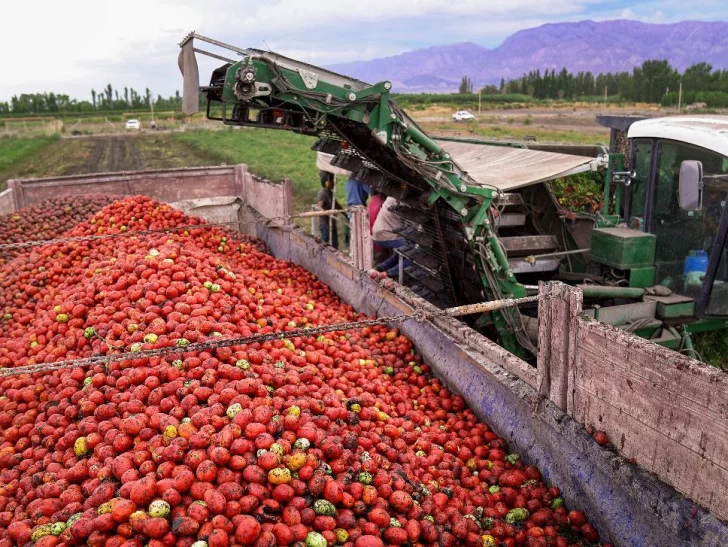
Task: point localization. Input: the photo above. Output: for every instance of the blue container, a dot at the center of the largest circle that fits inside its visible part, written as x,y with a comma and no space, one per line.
696,262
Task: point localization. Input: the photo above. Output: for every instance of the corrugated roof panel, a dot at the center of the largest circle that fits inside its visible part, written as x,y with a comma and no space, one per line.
509,168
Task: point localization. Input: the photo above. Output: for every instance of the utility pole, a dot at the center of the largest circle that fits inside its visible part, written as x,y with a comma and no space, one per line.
605,96
679,98
479,92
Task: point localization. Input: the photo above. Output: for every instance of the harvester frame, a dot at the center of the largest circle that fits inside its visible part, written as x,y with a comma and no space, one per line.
371,136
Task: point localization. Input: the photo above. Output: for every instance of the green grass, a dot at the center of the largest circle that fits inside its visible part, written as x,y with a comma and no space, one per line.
271,154
15,149
713,347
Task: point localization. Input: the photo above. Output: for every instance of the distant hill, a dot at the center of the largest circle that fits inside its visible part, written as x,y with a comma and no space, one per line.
608,46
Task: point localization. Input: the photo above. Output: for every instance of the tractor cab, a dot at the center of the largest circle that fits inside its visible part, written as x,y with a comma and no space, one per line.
673,205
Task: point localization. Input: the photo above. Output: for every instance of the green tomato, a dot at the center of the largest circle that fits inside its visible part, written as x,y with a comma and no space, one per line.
314,539
159,509
40,532
233,410
516,515
57,528
364,477
302,444
324,507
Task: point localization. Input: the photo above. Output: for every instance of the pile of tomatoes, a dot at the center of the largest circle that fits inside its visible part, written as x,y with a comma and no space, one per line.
48,220
338,439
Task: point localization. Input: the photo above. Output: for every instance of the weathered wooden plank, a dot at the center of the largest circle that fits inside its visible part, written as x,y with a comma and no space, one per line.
558,318
658,405
271,200
169,185
486,347
7,202
702,480
361,239
691,379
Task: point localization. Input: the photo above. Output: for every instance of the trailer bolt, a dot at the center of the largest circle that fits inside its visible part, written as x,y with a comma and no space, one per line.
464,212
463,188
352,96
387,85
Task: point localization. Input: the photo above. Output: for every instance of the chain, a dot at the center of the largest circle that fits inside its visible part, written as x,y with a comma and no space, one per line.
419,315
141,233
202,346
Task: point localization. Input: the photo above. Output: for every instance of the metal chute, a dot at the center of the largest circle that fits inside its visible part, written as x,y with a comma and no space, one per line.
190,78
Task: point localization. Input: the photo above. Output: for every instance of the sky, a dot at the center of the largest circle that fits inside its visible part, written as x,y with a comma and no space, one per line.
73,46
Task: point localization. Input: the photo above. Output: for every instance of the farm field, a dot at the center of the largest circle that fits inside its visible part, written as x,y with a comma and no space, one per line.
77,155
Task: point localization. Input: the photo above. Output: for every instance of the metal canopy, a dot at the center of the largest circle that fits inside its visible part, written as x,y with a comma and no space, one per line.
709,132
509,168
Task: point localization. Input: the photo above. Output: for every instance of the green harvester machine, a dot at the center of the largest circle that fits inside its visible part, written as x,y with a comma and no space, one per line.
480,219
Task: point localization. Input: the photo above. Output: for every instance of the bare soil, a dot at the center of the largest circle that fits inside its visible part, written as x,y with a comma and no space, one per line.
99,154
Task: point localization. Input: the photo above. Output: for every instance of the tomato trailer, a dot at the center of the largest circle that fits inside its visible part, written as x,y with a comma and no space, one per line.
665,482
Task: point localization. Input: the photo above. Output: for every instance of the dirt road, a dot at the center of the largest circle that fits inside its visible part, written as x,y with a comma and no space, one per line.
99,154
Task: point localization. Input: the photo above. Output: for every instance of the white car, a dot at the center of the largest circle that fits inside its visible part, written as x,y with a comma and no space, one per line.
462,116
133,124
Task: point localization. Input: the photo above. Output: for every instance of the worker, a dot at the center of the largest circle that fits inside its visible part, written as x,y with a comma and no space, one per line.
385,235
324,200
357,192
375,205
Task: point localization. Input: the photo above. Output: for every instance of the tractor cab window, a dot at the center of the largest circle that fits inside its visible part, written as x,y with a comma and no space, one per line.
641,160
683,233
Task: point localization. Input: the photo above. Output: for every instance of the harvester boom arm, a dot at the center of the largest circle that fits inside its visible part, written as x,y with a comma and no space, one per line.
370,135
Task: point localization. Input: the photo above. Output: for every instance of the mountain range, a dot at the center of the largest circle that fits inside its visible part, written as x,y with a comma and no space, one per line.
598,47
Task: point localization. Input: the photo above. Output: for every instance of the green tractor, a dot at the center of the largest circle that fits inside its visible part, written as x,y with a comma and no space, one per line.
480,218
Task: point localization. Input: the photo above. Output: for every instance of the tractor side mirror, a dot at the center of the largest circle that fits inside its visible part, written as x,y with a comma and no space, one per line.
691,185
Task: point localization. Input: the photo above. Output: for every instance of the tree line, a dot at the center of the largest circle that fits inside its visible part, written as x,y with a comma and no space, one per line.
105,99
655,81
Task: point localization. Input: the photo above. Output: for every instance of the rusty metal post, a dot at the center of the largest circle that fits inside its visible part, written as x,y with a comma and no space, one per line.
361,239
558,320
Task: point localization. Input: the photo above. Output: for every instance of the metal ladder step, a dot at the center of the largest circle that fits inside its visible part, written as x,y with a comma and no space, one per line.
529,245
508,199
519,266
510,220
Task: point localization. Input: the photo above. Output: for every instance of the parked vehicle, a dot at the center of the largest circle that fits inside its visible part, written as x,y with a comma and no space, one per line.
462,116
133,124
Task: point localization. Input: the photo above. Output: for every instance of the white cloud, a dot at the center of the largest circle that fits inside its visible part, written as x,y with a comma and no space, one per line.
75,45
